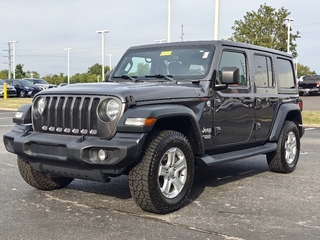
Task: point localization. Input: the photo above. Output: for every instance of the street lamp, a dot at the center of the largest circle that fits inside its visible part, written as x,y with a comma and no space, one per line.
288,44
68,49
169,20
102,32
14,58
160,40
216,20
109,55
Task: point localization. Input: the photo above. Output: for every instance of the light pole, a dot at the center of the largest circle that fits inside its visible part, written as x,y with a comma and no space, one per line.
102,32
288,44
68,49
216,20
14,58
160,40
109,55
169,20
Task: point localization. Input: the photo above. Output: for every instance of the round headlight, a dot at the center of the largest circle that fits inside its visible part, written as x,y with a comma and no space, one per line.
39,106
112,109
109,109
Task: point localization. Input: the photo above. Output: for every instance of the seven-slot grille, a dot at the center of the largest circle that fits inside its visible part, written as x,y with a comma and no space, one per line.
70,115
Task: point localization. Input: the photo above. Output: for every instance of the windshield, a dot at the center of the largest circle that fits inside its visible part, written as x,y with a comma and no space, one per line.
27,83
312,78
176,61
1,82
40,81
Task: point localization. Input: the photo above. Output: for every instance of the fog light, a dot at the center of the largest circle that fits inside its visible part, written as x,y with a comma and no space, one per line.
102,155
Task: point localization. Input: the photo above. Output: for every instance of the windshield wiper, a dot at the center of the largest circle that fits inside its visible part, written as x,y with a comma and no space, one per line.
125,76
166,77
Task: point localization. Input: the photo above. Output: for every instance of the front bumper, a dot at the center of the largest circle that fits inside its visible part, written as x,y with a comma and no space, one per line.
69,155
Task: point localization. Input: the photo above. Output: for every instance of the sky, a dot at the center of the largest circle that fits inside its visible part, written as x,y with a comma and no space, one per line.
44,28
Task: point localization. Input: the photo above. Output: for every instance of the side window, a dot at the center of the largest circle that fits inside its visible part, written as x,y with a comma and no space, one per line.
286,73
235,59
263,71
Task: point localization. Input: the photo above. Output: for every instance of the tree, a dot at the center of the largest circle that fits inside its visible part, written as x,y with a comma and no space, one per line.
267,27
32,74
143,69
84,78
4,74
304,71
19,71
56,79
97,69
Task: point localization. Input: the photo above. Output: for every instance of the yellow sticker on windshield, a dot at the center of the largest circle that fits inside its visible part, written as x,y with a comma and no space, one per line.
166,53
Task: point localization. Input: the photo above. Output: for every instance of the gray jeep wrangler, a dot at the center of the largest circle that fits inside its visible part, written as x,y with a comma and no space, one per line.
163,110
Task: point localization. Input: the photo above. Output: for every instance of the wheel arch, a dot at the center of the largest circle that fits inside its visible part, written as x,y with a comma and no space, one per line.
171,117
286,112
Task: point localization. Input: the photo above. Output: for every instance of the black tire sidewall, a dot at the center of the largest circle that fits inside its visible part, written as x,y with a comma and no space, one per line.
290,127
171,140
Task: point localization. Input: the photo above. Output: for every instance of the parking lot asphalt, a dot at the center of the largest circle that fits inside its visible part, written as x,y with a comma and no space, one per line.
238,200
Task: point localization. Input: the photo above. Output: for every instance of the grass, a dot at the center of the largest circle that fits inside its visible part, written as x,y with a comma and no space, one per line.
13,103
308,117
311,117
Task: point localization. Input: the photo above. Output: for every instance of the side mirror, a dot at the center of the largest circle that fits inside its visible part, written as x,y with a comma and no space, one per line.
230,75
108,75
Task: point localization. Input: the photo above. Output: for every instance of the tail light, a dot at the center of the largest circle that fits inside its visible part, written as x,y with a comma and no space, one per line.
318,84
300,103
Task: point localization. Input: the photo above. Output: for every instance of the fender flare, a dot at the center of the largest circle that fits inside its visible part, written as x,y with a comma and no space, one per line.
160,112
25,117
282,114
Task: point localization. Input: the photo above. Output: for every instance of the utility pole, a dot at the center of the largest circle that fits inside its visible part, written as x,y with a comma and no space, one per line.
216,20
182,33
14,58
9,60
68,49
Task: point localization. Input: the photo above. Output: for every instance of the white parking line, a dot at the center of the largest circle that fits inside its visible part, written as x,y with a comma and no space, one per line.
7,125
6,118
7,113
309,129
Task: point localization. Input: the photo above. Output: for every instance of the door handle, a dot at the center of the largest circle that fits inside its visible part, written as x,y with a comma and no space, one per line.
248,100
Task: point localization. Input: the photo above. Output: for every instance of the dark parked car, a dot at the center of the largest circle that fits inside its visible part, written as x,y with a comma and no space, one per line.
24,88
11,91
43,84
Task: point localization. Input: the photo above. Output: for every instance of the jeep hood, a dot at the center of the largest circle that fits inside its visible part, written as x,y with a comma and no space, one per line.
140,91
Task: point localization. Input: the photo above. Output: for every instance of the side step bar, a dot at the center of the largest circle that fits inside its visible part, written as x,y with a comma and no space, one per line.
206,160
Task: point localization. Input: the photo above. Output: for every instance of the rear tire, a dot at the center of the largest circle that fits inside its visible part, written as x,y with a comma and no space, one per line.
39,179
163,178
285,158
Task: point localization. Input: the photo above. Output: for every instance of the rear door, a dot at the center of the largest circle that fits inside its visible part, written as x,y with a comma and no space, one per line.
266,95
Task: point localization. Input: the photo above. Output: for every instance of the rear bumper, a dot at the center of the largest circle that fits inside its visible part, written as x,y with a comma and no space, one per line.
307,90
73,153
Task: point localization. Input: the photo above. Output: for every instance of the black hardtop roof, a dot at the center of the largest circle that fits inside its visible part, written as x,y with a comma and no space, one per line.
217,43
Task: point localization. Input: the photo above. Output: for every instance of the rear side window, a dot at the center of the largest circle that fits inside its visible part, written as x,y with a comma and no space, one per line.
263,71
286,74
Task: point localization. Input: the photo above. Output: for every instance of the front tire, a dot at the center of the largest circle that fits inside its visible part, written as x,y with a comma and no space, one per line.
22,93
162,180
285,158
39,179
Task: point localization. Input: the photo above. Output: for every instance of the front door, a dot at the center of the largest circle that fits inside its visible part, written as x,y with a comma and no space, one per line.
233,117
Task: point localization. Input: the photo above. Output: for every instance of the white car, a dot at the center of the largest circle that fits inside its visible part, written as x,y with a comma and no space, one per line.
11,90
41,83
